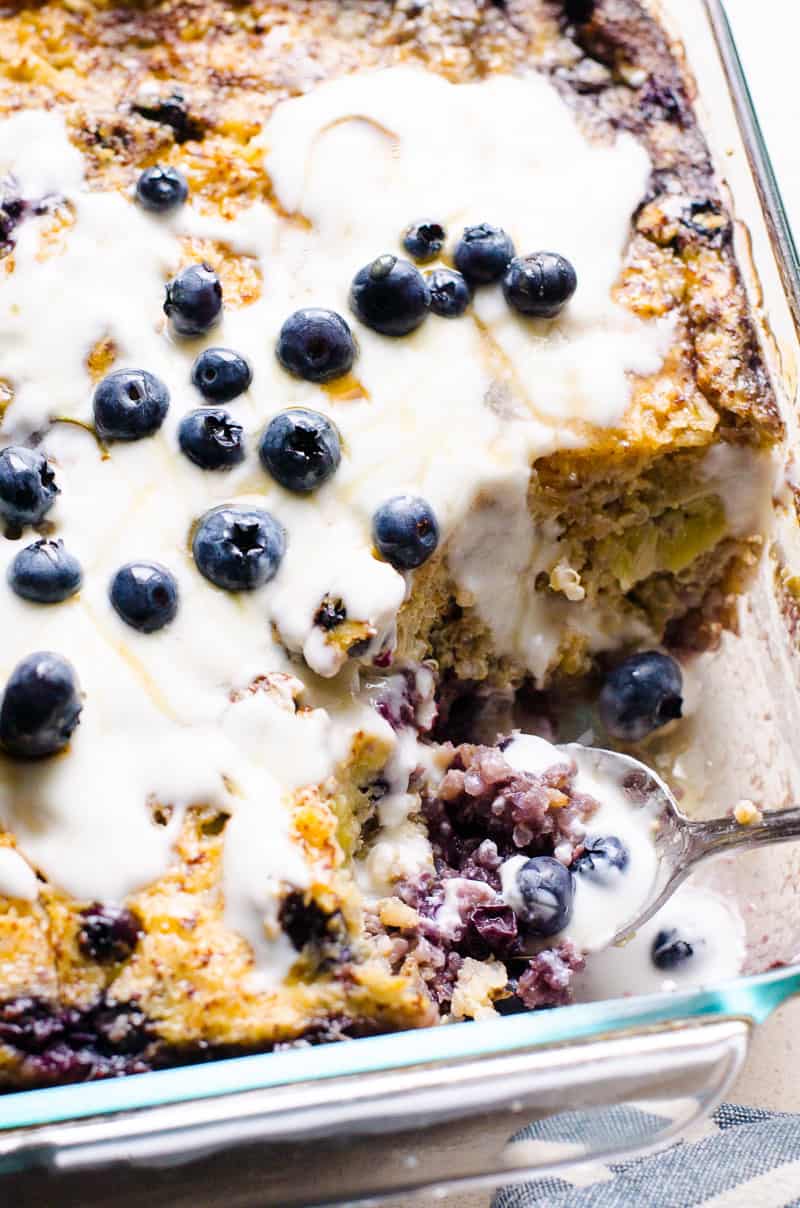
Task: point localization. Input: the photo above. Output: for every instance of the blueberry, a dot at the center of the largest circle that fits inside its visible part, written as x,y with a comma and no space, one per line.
547,890
390,296
45,572
579,10
405,531
669,950
603,856
129,404
482,254
221,374
27,485
316,345
171,110
194,300
238,548
108,933
424,240
211,439
540,284
450,294
41,706
300,449
144,595
161,189
641,694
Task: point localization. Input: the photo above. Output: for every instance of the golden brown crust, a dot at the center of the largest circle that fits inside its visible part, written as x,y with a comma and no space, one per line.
190,83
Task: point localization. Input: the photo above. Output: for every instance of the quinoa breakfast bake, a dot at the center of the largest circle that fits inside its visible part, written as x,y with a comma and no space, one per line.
372,374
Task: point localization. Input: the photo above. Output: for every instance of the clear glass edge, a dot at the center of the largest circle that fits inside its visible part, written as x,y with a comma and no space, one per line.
754,997
749,997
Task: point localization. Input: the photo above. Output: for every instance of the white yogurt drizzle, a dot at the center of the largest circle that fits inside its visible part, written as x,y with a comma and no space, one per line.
456,413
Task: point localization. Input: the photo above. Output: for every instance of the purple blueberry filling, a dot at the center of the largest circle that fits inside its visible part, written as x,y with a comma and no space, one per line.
485,812
108,933
71,1044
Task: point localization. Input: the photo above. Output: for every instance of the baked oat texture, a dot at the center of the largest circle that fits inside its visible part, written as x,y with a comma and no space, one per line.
191,83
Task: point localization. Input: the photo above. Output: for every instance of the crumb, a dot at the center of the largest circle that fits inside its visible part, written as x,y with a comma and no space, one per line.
747,813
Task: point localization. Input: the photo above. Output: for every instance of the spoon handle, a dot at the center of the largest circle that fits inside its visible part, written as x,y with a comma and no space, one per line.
705,839
696,841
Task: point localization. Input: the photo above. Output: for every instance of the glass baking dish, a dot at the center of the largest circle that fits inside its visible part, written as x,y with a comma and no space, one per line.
352,1122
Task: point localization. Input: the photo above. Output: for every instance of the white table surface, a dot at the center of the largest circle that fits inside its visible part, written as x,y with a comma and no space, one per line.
768,35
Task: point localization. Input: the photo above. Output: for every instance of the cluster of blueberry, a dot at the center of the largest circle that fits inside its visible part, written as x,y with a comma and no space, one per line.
546,891
391,296
547,887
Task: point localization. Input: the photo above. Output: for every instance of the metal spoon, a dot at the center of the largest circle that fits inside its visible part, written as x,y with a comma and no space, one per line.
680,842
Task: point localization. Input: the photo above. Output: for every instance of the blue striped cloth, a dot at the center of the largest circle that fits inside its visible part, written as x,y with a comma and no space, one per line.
745,1158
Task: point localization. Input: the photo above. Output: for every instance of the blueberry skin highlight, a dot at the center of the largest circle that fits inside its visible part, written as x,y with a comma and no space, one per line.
193,301
161,189
668,950
640,695
238,548
405,531
602,858
450,293
300,449
483,253
45,572
539,285
41,707
221,375
547,890
144,595
129,404
316,345
28,487
424,240
108,933
211,439
390,296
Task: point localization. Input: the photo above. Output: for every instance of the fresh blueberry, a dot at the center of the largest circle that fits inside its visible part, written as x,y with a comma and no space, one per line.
483,253
300,449
27,485
194,300
41,706
316,345
641,694
45,572
108,933
144,595
669,950
546,889
540,284
129,404
405,531
238,548
390,296
221,374
211,439
161,189
171,110
450,294
603,856
424,240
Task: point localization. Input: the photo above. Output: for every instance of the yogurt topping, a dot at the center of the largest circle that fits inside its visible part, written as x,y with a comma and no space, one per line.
456,413
601,908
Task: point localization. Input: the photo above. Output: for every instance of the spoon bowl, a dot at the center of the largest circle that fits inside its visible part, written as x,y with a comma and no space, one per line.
680,842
